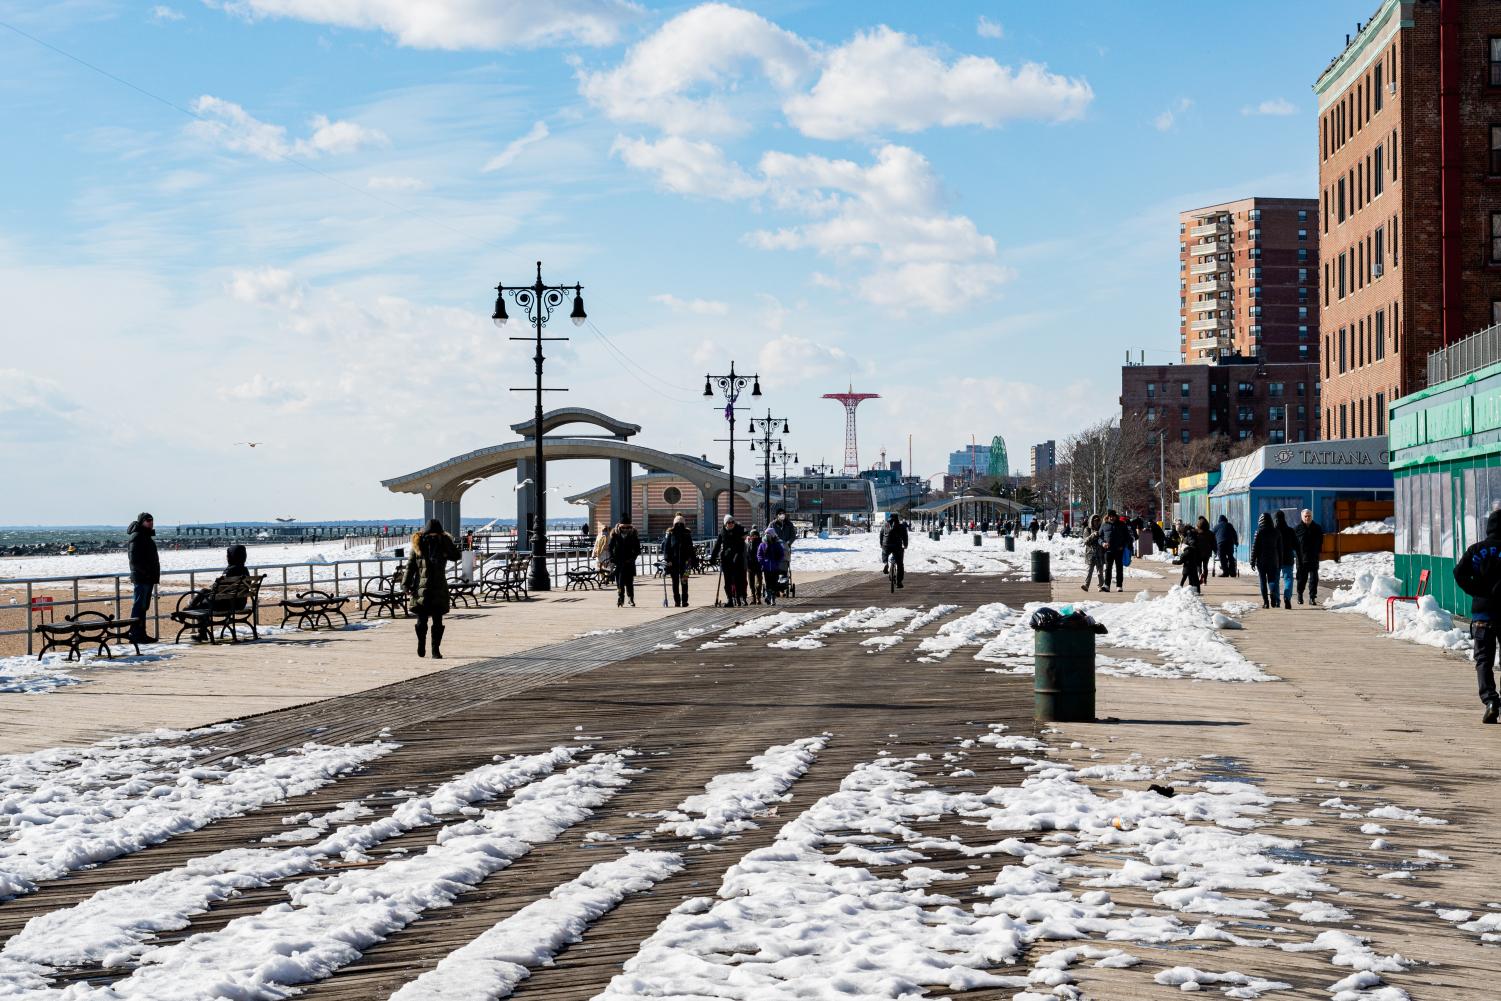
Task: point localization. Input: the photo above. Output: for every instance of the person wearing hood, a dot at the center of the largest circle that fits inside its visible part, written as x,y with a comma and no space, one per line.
1310,538
234,560
1289,555
426,582
145,572
1226,539
1266,560
1204,547
1478,574
729,553
624,546
678,556
753,574
771,555
894,540
1115,539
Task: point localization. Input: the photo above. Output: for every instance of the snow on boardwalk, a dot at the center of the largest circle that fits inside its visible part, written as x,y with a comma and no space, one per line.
331,920
729,802
492,965
112,925
68,835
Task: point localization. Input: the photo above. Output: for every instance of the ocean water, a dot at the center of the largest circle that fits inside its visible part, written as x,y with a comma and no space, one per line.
27,539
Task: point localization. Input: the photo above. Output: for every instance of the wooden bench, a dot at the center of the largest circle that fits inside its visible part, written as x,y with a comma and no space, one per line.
384,594
91,628
231,602
505,581
461,590
312,607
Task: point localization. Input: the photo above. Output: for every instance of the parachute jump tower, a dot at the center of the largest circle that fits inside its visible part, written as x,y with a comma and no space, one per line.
851,400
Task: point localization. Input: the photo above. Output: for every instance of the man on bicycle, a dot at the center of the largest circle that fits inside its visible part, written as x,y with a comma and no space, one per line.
894,547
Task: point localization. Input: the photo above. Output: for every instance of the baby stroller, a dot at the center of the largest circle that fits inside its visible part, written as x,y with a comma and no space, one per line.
783,581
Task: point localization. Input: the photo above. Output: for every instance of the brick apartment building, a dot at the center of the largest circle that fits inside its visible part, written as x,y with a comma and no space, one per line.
1248,280
1410,190
1237,397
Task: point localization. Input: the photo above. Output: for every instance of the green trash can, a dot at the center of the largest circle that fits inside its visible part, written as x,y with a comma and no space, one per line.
1042,566
1063,676
1010,543
979,539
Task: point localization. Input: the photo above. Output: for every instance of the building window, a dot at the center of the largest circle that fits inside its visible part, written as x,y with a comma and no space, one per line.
1244,389
1302,312
1302,275
1302,254
1381,413
1255,291
1341,350
1254,253
1341,275
1380,334
1378,176
1183,436
1255,215
1339,200
1151,390
1394,241
1245,415
1183,390
1302,352
1255,310
1302,215
1303,296
1394,154
1302,331
1495,311
1302,234
1183,414
1496,237
1275,436
1344,421
1495,61
1378,87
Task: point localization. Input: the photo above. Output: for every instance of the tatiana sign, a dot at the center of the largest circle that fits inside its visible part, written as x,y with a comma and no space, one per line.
1354,453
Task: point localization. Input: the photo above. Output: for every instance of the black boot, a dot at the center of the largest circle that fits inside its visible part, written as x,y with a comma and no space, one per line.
437,642
422,639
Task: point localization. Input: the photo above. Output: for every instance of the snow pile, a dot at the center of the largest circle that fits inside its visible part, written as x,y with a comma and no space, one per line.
969,630
729,801
1189,979
1386,527
29,675
331,920
1178,627
1424,622
77,832
1352,566
776,624
111,925
494,963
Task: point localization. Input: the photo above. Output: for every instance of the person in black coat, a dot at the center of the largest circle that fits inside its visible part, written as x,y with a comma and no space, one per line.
678,557
624,546
1226,539
1478,574
1203,548
1289,553
894,540
1190,560
425,580
1266,560
729,553
1115,539
145,572
1310,549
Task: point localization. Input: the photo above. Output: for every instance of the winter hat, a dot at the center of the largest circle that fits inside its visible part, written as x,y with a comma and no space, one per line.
729,520
677,519
625,518
235,555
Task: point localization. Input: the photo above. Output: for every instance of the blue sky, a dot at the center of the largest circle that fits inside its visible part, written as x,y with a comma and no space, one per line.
291,237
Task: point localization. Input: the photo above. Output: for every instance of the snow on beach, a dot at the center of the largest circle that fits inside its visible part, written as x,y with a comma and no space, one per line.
176,562
952,553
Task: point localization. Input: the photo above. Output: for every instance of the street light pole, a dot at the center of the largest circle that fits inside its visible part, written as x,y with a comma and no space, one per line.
538,300
731,386
768,428
821,469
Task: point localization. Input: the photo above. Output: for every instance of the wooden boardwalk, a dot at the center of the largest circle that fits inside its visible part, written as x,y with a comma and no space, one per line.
690,714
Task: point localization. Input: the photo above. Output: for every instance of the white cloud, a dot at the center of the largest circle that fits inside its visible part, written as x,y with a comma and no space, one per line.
266,392
986,28
234,128
706,47
1275,106
688,167
1165,121
697,307
459,24
791,359
687,78
33,409
266,287
161,12
507,156
396,183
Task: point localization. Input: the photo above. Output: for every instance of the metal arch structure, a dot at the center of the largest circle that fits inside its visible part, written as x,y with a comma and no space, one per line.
1003,504
563,416
999,466
443,485
850,400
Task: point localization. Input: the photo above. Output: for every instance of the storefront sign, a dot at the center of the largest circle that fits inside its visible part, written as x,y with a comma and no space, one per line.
1358,453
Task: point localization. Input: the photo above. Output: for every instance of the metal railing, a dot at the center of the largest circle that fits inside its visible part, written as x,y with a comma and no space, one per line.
1465,356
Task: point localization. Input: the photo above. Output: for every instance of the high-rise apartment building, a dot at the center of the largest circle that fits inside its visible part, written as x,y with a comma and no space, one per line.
1248,279
1410,189
1239,398
1044,457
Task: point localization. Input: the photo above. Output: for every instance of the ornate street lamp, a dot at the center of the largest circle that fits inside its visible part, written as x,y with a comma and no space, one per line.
768,427
538,300
731,386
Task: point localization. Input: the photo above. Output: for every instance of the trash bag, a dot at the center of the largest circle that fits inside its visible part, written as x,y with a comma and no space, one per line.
1126,557
1046,620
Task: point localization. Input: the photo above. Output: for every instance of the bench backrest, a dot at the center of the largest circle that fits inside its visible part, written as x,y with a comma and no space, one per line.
1422,583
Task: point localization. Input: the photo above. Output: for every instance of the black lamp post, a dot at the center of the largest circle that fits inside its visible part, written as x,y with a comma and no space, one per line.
538,300
767,429
822,469
731,386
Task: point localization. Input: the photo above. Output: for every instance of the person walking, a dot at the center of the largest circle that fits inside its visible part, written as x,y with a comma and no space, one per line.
678,556
145,572
426,583
1266,559
601,550
1204,546
1034,528
624,546
1289,554
1478,574
1226,540
769,554
1190,560
1115,539
1310,549
729,553
753,577
894,548
786,533
1095,566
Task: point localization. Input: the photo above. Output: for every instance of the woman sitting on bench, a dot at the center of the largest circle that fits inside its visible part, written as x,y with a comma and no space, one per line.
234,556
